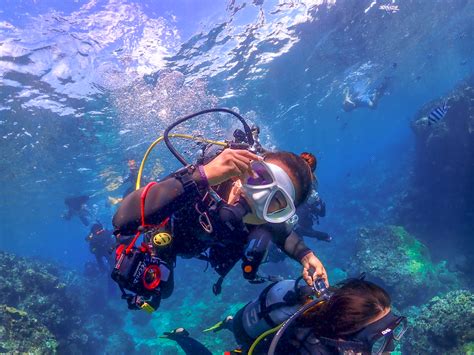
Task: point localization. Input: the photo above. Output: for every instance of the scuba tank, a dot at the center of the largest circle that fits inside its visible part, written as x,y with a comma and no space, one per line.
277,302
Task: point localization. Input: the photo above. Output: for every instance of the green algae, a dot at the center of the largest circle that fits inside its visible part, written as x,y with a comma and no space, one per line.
403,263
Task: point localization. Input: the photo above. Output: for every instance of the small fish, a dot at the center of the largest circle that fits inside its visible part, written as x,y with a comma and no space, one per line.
438,114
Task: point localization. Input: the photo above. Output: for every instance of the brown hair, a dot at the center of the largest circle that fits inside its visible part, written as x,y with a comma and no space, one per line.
352,306
310,159
299,172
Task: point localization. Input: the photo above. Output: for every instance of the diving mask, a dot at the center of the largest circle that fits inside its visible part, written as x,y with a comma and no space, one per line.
270,192
379,336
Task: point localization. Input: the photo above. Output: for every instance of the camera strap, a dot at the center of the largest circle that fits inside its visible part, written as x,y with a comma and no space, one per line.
142,212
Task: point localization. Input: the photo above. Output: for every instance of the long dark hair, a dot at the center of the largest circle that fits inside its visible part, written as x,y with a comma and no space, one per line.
300,172
351,307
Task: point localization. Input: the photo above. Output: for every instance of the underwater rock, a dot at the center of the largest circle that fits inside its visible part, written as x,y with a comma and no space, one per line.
439,203
73,309
395,258
19,332
444,325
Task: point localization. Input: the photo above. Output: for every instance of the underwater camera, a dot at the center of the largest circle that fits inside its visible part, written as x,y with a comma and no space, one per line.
138,272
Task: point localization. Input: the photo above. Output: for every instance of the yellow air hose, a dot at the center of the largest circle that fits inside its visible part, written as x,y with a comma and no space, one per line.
261,336
173,135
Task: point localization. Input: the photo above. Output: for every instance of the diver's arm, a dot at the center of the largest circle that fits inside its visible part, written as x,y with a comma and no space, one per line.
287,240
162,199
295,247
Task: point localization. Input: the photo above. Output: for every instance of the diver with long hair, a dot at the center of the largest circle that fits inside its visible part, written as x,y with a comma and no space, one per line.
226,210
354,316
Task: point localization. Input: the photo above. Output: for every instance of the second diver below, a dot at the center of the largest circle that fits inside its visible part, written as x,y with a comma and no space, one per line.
251,200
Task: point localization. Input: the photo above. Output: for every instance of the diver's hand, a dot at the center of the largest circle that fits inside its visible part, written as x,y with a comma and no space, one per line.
310,261
230,163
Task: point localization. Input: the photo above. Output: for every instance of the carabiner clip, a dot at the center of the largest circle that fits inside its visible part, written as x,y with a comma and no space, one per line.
204,220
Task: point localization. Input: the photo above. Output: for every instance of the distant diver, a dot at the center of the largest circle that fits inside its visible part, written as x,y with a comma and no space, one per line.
101,243
352,317
77,206
313,208
130,180
212,212
354,99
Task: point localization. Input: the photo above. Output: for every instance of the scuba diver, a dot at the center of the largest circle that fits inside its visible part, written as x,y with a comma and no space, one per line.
130,180
353,317
314,207
77,206
226,210
101,244
363,97
131,177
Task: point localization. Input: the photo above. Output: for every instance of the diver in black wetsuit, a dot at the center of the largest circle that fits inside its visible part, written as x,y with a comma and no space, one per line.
77,206
101,244
257,197
314,207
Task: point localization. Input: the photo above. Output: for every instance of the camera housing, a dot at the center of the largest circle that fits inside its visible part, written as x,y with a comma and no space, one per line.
138,272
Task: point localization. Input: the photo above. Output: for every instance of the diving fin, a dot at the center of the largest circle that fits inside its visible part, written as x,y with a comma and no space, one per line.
223,324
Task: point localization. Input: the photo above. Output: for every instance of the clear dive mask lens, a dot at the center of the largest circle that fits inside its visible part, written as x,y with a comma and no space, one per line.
271,192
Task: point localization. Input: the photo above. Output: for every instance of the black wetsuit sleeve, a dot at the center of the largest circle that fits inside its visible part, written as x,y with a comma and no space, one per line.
295,247
288,241
162,200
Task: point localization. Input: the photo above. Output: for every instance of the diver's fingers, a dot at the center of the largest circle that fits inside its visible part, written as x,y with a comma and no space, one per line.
240,167
246,162
247,154
307,277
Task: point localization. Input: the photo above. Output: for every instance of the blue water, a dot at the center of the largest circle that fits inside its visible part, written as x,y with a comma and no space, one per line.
87,85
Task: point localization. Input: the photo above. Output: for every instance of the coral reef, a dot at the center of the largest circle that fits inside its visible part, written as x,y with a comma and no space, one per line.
445,325
396,259
21,333
58,306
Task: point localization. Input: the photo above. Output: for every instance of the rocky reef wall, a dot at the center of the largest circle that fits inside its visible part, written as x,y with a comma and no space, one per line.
46,309
440,201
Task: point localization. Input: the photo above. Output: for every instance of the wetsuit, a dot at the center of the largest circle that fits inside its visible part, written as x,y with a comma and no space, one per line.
179,197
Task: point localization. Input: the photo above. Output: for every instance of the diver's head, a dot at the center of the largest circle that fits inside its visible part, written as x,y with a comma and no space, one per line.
131,164
358,311
280,184
355,304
